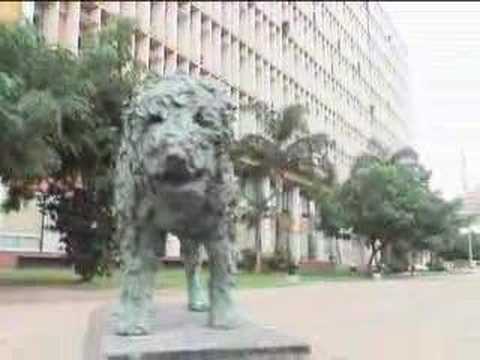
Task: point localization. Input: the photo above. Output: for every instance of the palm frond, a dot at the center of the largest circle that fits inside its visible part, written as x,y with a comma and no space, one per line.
375,147
291,120
405,153
330,177
262,153
306,146
308,155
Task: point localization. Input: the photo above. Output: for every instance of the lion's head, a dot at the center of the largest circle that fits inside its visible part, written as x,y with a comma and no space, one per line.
181,128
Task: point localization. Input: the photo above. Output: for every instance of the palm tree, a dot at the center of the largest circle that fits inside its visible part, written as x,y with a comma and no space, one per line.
285,147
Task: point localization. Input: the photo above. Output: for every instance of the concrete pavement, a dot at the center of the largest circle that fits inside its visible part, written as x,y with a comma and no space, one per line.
434,318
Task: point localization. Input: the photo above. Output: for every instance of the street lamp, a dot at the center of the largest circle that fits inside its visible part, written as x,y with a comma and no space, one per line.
470,249
43,188
469,232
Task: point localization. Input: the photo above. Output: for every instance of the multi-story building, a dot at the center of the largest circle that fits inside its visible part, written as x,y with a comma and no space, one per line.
343,60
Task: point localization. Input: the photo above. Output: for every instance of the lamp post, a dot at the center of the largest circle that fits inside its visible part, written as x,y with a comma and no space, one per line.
470,249
469,233
43,187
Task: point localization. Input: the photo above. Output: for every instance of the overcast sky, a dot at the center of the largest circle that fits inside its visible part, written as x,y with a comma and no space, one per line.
443,40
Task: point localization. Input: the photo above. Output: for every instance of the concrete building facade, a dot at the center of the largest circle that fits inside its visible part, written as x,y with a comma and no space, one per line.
343,60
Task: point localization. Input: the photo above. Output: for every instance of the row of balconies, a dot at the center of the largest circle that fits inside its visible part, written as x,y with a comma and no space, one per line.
173,60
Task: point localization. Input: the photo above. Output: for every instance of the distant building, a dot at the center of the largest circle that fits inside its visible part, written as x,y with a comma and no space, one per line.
343,60
13,11
471,202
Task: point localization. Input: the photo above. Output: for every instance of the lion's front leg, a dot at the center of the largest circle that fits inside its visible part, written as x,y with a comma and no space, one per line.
197,299
135,312
223,312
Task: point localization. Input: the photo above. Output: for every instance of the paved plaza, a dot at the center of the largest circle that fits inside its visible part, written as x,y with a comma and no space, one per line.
435,317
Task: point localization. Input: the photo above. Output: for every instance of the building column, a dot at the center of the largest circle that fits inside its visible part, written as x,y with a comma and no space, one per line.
216,49
313,239
196,32
206,40
184,31
28,8
72,26
226,57
294,238
171,24
142,39
266,223
157,26
51,21
128,9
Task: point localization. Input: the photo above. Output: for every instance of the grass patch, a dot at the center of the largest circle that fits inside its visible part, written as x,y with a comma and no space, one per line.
167,278
38,277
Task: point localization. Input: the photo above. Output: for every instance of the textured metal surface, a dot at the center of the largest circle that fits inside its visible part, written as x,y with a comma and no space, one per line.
175,175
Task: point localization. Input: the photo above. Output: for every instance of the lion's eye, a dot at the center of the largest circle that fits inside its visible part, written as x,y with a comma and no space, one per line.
198,118
203,121
155,118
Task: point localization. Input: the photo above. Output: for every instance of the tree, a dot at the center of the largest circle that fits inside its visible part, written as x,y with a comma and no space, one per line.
332,218
377,153
331,215
33,108
252,209
455,248
381,200
406,157
285,147
388,199
438,225
65,112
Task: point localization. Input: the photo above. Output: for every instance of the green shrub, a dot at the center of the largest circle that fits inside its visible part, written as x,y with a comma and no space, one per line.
278,261
275,262
247,259
436,266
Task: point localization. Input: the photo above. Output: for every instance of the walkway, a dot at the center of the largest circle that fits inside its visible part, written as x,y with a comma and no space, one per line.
431,318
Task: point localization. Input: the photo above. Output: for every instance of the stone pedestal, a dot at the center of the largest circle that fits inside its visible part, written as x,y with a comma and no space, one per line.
182,335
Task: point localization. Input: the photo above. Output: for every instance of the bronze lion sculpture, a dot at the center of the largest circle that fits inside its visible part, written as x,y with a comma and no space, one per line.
174,175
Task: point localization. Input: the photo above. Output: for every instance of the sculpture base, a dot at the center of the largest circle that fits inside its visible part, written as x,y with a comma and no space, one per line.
183,335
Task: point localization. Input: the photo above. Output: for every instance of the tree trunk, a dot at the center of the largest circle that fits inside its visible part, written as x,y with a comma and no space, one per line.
258,247
338,251
42,232
412,263
372,256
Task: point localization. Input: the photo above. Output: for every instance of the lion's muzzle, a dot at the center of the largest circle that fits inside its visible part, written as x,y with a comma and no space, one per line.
177,168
